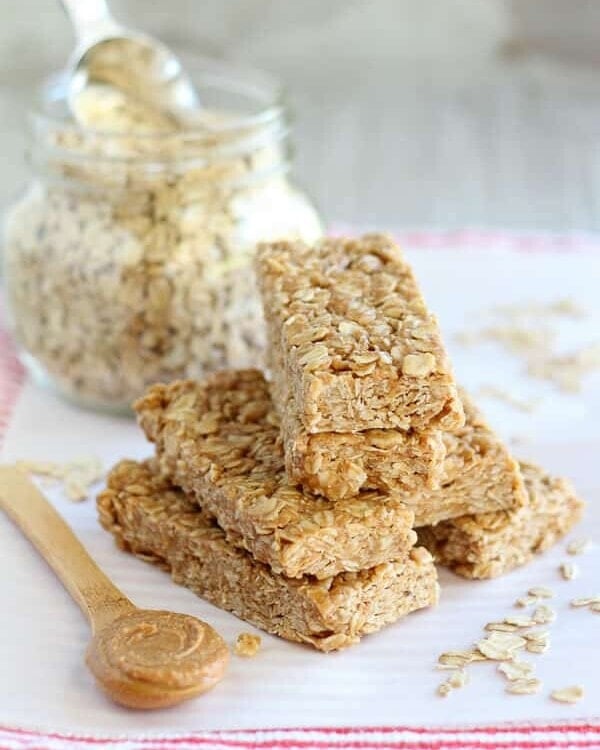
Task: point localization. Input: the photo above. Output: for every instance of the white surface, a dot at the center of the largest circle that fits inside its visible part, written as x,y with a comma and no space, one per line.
389,679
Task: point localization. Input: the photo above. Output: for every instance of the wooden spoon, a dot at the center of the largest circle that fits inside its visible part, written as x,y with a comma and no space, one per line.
142,658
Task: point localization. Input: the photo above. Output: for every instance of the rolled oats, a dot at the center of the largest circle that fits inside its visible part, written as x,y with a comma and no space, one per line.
578,546
525,601
525,686
500,394
129,261
538,641
544,615
520,622
162,525
457,679
458,659
569,571
571,694
525,333
77,476
586,601
502,627
516,670
501,646
541,592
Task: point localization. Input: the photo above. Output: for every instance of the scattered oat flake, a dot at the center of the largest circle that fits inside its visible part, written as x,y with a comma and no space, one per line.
501,646
565,371
456,680
595,607
516,670
501,627
520,622
562,308
570,694
578,546
544,615
541,592
499,394
538,641
525,601
247,644
525,686
569,571
459,678
77,476
586,601
459,658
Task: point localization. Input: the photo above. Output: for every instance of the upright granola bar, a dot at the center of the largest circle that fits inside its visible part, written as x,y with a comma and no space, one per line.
219,440
152,519
352,343
486,545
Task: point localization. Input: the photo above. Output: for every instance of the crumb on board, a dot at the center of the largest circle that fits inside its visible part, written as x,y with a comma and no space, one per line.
247,644
578,546
569,571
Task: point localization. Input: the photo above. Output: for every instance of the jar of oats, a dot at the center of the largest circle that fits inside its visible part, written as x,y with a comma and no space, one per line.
128,259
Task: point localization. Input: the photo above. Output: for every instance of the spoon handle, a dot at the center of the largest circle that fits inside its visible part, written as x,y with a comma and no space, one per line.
91,19
99,599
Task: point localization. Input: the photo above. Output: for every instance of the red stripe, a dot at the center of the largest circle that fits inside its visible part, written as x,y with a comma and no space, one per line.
480,239
271,744
439,744
12,377
584,727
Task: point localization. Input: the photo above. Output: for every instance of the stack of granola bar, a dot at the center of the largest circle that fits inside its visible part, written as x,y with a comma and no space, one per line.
293,503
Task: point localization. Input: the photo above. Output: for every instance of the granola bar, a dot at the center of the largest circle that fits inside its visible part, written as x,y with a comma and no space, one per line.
486,545
352,343
219,440
338,465
478,475
160,524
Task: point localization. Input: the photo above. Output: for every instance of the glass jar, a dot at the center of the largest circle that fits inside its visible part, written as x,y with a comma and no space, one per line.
128,260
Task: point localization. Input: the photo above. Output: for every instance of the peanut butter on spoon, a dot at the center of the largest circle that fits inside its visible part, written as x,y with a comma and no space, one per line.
141,658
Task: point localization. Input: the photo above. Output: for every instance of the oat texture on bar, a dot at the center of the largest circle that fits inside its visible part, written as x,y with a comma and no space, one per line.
353,345
478,474
475,472
338,465
160,524
219,440
486,545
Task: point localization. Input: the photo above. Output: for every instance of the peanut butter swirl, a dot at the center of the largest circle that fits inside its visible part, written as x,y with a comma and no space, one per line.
152,652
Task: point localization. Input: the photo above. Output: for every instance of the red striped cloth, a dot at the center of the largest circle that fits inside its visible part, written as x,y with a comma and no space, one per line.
531,737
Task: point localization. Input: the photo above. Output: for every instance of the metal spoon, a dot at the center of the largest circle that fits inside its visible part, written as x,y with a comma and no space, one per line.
142,658
140,65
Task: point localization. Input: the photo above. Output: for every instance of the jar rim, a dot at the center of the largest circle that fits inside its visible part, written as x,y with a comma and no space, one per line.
213,78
